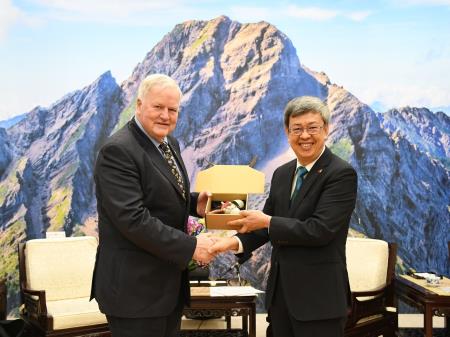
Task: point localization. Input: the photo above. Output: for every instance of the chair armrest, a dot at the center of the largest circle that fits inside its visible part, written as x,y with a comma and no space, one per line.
373,306
35,306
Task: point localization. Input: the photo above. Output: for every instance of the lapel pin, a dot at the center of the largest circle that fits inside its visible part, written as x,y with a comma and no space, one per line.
319,171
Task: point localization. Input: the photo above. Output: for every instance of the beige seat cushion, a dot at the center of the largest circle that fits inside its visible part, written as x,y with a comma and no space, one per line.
62,267
367,262
74,313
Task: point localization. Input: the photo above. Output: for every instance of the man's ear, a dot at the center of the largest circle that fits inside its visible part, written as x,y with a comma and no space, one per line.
326,129
286,130
138,103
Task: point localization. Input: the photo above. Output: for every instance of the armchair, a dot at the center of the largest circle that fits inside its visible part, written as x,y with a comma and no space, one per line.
55,282
371,266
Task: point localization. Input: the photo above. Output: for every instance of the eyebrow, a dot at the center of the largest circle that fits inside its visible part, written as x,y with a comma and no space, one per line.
309,124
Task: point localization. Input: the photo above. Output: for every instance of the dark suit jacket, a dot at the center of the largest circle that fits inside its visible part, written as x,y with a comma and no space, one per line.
143,250
308,238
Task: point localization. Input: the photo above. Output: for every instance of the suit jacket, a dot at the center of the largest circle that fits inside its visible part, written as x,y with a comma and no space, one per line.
143,250
308,236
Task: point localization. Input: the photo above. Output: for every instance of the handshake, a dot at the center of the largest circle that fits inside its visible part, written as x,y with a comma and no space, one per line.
209,246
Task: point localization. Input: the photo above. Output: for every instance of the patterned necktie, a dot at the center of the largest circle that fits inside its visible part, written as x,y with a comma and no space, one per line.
300,173
173,167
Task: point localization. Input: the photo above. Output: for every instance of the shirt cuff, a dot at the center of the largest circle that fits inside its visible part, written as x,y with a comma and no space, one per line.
241,247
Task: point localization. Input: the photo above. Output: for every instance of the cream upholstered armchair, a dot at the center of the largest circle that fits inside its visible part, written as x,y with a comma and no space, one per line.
55,284
371,267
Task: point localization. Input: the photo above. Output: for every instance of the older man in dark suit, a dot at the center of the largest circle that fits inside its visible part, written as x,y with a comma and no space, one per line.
306,218
140,278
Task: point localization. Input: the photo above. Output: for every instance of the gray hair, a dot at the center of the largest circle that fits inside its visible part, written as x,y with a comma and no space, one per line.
304,104
156,80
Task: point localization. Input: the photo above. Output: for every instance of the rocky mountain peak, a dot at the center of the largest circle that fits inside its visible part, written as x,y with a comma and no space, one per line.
429,131
235,78
5,151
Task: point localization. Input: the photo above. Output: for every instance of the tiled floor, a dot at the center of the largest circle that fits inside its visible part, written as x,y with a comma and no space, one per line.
409,325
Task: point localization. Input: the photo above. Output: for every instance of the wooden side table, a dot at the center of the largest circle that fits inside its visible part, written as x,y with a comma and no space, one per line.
417,294
207,306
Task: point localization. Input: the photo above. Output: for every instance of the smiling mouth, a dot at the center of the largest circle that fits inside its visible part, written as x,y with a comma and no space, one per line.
306,146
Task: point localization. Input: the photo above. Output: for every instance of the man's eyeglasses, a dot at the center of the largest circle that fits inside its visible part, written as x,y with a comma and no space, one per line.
311,130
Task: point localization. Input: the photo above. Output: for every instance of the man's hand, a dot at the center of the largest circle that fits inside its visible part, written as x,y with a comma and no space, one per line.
201,203
224,244
251,221
201,253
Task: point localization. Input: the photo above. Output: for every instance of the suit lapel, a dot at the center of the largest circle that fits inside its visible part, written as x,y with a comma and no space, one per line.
156,157
312,176
285,185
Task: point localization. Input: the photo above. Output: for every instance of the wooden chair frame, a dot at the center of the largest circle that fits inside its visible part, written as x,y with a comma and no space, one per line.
381,322
35,310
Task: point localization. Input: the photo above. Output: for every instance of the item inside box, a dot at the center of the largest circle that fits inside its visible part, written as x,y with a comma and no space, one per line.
227,207
215,201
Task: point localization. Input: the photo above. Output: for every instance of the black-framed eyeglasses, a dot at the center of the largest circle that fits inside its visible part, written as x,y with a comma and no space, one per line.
311,130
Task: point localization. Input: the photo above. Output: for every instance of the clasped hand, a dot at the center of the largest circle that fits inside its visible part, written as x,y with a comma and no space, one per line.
208,246
201,253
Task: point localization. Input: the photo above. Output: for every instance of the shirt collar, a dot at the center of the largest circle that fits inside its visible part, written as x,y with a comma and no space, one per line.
153,140
310,165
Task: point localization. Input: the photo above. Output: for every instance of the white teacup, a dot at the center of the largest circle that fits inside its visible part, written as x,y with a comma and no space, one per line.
433,280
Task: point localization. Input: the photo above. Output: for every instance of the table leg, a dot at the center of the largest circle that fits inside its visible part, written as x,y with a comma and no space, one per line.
428,321
252,319
245,322
228,320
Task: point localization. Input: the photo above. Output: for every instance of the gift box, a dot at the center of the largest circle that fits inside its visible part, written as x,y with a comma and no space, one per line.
228,183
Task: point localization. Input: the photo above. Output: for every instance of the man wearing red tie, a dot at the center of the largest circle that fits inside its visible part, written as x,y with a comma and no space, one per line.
306,219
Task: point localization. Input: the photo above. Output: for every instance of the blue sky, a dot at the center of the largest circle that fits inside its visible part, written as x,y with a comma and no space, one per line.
388,53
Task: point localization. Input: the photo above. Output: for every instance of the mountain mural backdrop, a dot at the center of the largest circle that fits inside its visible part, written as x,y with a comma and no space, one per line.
236,79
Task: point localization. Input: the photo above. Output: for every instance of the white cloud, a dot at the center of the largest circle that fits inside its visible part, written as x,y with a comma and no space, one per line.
131,12
137,12
401,95
324,14
9,15
423,2
155,13
358,15
108,7
249,14
311,13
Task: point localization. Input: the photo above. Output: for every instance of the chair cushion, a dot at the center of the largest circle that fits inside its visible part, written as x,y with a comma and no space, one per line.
74,313
367,262
61,266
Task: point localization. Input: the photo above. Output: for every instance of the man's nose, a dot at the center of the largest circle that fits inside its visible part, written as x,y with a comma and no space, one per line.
164,113
305,134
